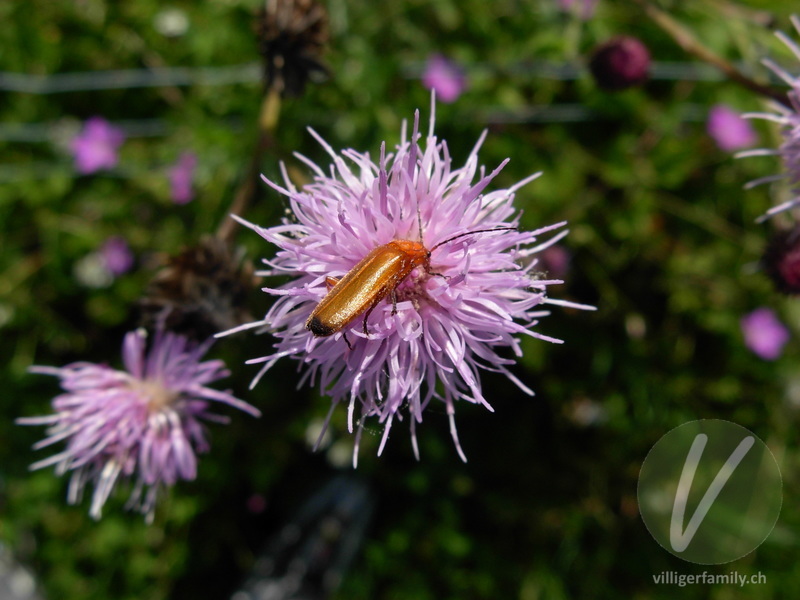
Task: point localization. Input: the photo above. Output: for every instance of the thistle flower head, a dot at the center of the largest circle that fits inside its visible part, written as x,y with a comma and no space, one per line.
788,118
430,342
143,424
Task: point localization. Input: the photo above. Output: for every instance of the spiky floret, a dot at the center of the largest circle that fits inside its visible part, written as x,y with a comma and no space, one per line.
143,424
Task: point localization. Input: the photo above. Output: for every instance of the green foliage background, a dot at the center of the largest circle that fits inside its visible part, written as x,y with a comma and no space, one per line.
663,241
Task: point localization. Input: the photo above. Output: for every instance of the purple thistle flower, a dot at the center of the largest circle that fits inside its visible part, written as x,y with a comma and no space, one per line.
788,118
444,329
117,255
95,147
764,334
728,129
142,424
444,77
180,178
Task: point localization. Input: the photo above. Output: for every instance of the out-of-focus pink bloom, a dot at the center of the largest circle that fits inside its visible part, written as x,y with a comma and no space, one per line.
95,147
554,261
764,334
583,8
444,77
180,178
728,129
117,255
144,424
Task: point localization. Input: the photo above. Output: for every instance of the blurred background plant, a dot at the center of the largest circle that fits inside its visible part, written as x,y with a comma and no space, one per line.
663,240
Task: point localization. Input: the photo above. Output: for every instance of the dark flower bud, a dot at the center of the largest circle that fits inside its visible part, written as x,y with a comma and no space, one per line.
620,63
781,260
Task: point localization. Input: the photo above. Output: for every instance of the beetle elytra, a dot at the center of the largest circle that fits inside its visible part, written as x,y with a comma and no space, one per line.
376,276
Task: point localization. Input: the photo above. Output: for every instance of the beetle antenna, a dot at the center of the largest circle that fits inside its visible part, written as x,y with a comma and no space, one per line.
466,233
419,221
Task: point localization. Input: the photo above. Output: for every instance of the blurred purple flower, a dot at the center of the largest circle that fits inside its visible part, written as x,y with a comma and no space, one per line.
180,178
555,261
764,334
728,129
443,330
117,255
444,77
788,118
95,147
143,424
584,8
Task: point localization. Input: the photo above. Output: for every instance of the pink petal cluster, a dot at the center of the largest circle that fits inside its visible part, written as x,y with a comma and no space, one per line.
729,129
180,178
444,77
444,330
764,334
117,256
143,424
95,147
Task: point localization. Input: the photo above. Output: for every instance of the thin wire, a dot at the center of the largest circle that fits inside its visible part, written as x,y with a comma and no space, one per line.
129,78
50,131
251,72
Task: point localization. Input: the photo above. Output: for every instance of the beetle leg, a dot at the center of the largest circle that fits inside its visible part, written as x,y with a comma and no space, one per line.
331,282
394,302
435,274
349,345
366,316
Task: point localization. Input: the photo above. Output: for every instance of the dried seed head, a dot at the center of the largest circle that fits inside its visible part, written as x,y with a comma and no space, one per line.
292,35
199,292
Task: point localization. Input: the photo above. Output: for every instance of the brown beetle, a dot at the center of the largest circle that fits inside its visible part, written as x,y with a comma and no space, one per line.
376,276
